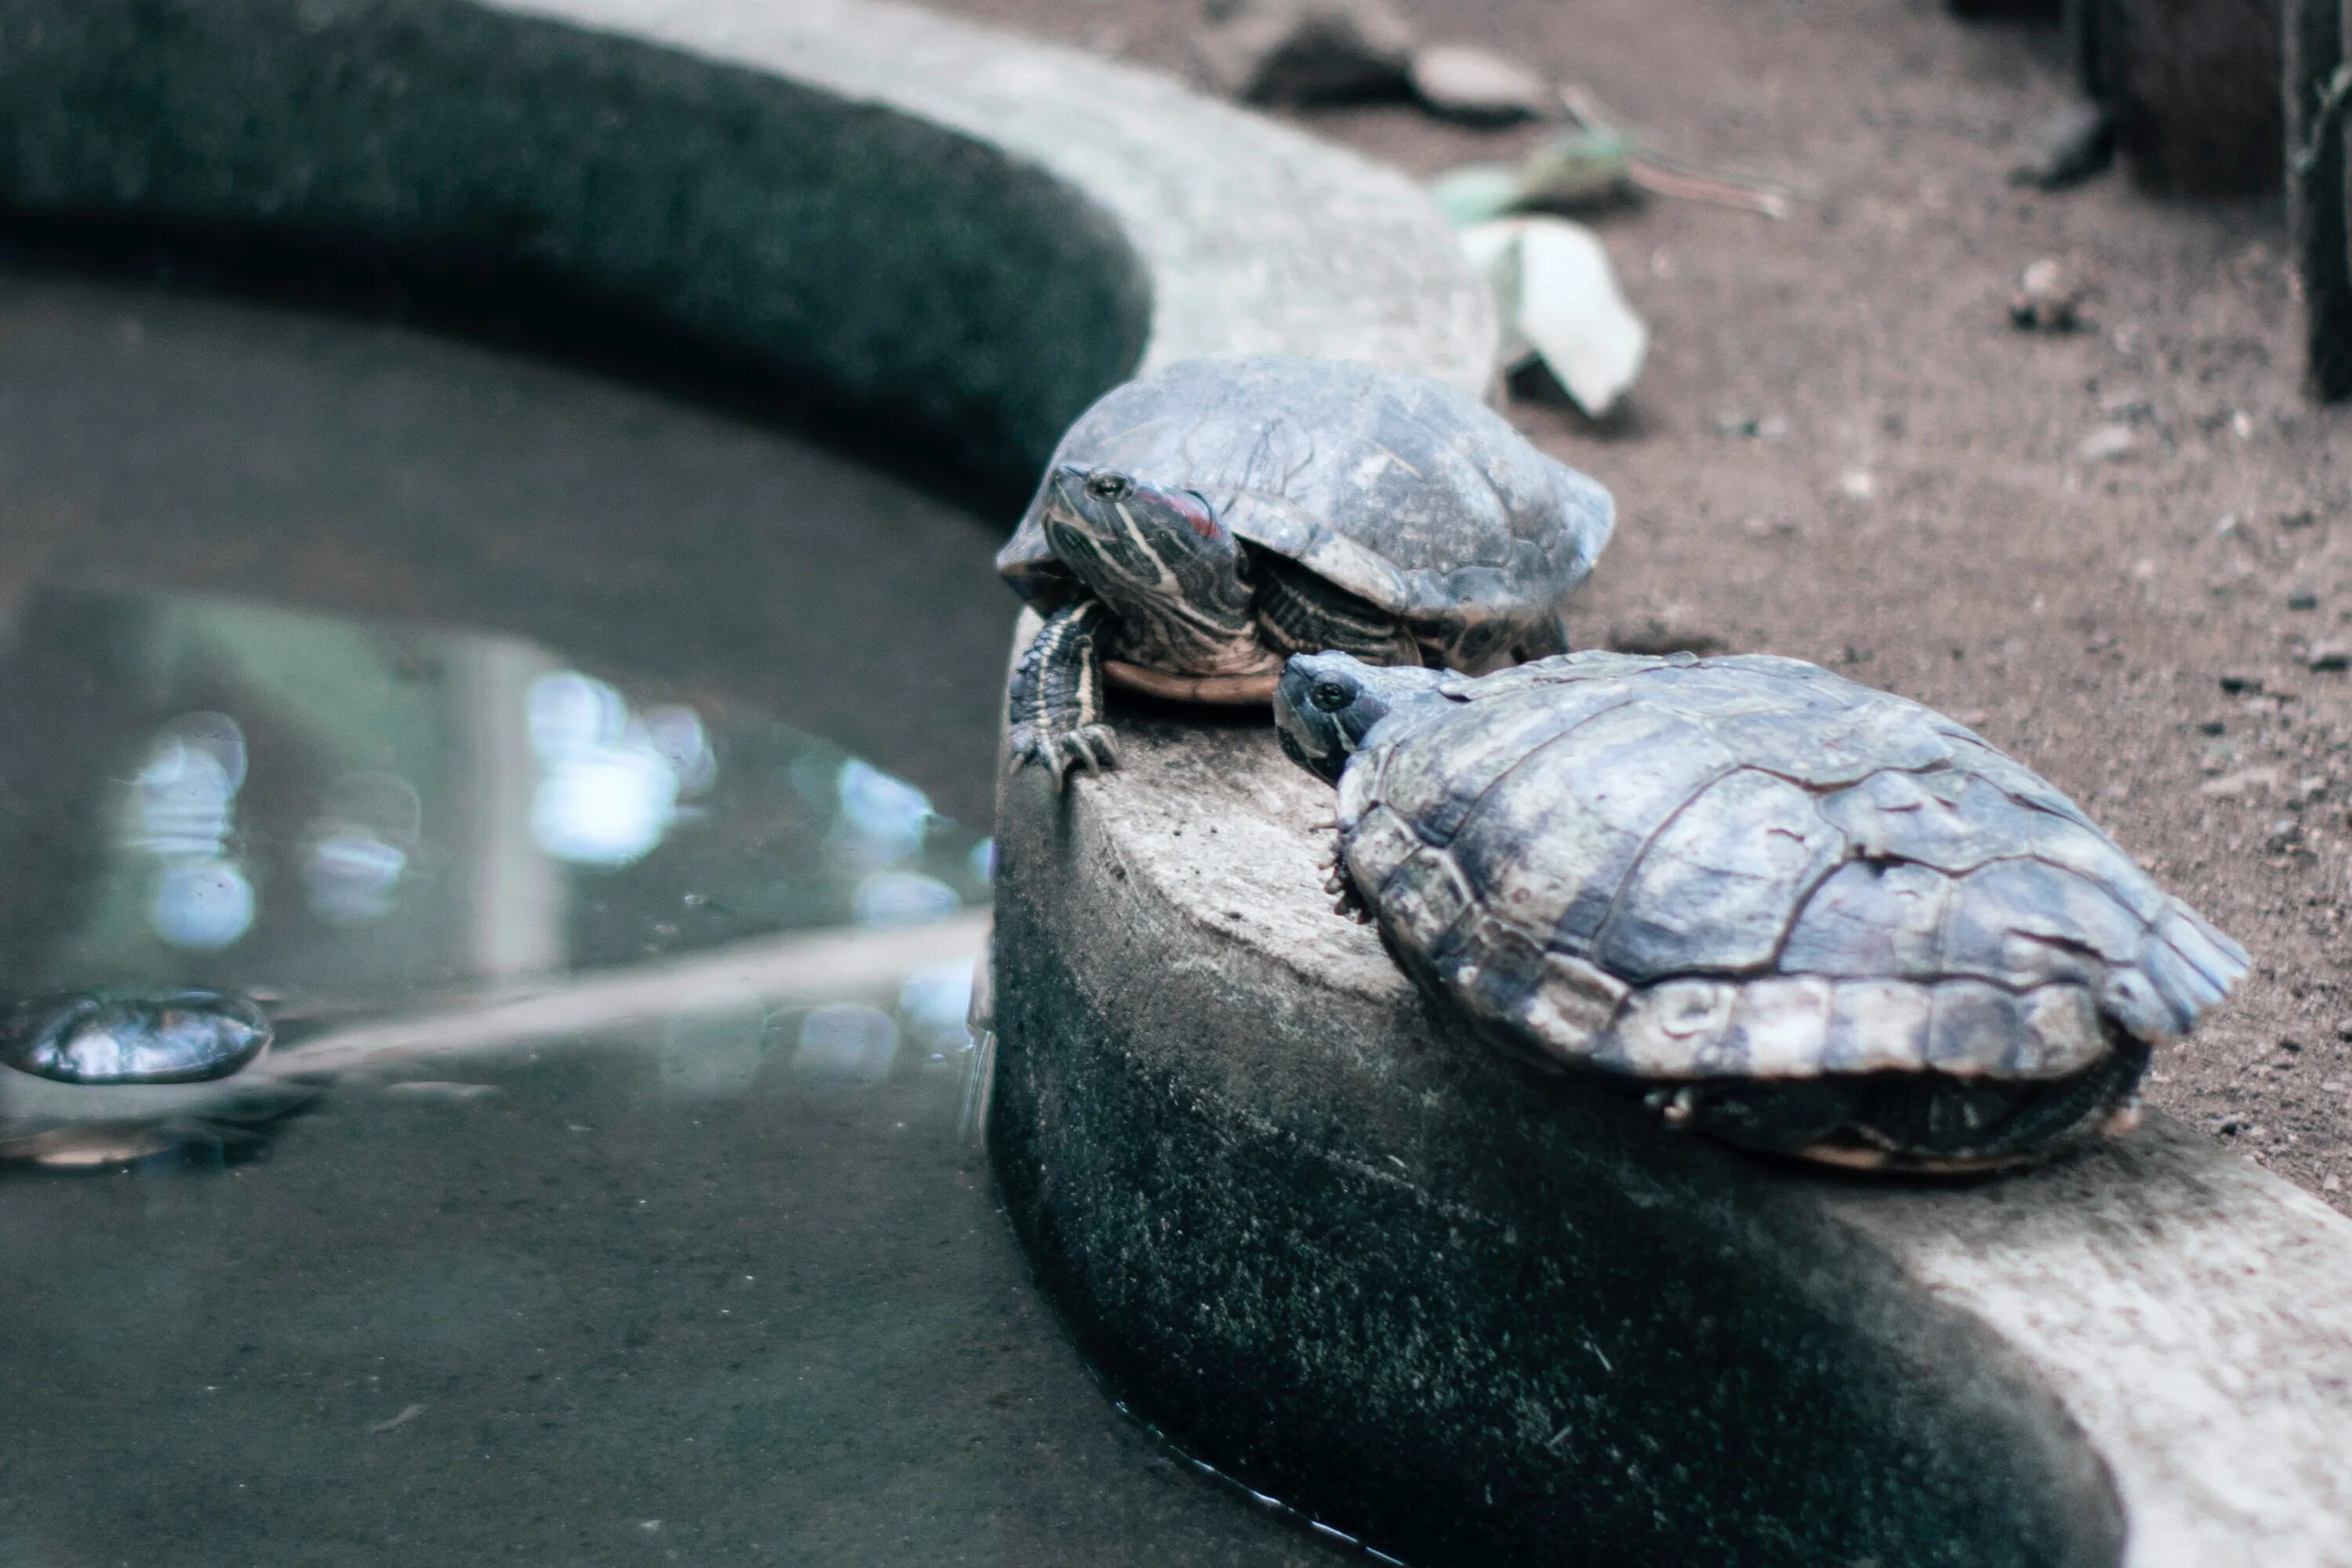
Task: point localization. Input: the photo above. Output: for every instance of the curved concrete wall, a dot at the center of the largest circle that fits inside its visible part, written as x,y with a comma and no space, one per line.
974,235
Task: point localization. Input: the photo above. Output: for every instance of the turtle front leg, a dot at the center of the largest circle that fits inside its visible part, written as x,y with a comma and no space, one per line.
1056,705
1346,898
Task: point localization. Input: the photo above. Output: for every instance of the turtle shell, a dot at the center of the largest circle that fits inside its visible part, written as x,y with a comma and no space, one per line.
1397,487
1747,868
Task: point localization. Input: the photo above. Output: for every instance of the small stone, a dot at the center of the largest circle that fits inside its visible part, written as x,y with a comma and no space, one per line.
2303,517
2301,599
2290,1044
2330,1184
2066,147
2328,656
2285,833
1477,85
2107,444
1754,426
2212,727
2245,781
2049,298
2239,681
1857,484
1306,51
2230,1126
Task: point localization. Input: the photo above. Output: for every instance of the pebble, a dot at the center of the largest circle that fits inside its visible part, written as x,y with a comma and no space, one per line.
2245,781
1758,427
2328,656
2301,599
2107,444
2049,298
1477,85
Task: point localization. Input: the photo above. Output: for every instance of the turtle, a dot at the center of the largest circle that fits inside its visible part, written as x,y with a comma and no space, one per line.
1197,525
1808,917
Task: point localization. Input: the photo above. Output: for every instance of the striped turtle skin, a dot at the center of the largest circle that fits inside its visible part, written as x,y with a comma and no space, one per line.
1807,916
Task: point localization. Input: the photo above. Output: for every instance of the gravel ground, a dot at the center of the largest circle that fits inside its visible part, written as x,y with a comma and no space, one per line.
1920,511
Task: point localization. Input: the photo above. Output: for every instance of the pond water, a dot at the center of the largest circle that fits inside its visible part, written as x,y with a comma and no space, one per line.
592,788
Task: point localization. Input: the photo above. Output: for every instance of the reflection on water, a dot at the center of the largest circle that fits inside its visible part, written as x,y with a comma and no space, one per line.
632,1222
335,811
626,1215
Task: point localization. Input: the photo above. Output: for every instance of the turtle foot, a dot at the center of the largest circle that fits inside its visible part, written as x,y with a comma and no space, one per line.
1091,747
1345,899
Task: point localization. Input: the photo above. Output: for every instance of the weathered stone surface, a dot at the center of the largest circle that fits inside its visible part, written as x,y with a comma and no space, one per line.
1478,1312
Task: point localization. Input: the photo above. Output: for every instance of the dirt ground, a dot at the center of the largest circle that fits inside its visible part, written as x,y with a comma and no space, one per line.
1918,510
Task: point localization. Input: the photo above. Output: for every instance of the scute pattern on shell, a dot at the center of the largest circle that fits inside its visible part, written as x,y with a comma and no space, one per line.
1748,866
1399,489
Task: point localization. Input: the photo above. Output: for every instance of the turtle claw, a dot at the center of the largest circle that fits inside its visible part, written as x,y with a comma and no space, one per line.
1347,902
1091,748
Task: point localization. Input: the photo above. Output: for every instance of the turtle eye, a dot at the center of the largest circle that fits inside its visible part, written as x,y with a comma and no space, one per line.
1109,486
1331,695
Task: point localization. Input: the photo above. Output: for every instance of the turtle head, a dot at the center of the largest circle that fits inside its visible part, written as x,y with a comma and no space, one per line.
1133,541
1328,703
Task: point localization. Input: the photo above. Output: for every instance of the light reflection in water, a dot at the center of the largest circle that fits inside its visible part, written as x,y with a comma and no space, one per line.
883,819
395,807
934,1005
845,1043
184,801
612,782
902,898
367,827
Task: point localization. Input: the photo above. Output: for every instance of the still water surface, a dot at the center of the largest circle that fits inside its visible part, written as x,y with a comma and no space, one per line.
594,787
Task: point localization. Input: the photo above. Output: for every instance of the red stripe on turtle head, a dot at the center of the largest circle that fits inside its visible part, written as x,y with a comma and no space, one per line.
1189,506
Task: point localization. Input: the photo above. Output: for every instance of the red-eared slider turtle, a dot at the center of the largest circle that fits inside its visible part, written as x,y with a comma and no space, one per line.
1199,524
1803,915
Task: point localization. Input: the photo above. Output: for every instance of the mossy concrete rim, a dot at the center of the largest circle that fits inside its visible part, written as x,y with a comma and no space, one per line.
1256,238
930,220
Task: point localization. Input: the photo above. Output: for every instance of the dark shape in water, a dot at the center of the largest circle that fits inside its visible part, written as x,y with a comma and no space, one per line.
117,1038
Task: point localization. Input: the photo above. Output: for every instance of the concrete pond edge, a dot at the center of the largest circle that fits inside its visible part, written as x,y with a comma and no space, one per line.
1458,1312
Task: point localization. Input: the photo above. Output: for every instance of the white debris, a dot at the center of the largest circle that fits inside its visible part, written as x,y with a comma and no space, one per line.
1560,304
1466,83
